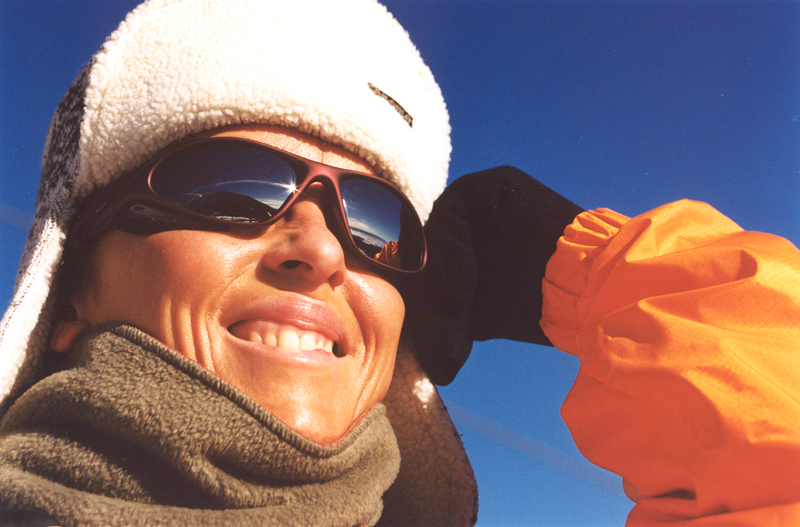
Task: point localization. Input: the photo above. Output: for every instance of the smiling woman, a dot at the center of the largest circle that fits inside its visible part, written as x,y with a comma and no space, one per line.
262,308
229,311
205,329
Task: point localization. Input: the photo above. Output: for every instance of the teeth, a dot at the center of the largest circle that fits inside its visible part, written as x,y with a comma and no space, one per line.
308,341
255,337
290,338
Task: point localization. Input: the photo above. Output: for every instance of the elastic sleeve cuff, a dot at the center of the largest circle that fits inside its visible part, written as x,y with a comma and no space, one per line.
567,274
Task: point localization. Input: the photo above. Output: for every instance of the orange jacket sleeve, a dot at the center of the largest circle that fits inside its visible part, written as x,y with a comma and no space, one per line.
688,333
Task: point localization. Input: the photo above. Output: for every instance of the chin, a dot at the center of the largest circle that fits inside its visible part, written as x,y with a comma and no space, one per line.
321,425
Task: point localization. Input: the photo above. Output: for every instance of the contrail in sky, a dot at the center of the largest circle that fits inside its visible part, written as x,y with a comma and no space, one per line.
526,446
14,218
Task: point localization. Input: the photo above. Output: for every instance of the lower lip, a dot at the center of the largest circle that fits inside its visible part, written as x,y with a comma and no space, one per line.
288,356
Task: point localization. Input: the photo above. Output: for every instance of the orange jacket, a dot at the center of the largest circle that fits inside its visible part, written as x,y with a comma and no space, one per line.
688,333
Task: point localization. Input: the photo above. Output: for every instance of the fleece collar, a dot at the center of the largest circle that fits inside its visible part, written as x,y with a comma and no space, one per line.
134,434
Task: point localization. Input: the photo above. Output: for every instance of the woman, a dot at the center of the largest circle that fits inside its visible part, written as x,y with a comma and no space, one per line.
209,370
685,325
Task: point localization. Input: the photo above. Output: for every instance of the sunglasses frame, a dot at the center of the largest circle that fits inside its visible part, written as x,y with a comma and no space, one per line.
131,204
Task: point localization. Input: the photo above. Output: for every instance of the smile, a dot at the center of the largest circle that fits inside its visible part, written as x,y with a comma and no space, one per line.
285,337
289,338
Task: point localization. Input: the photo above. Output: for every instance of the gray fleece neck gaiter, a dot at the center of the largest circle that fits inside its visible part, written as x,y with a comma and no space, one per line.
131,433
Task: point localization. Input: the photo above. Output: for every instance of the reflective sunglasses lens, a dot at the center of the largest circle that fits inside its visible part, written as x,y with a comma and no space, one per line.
383,227
246,183
228,180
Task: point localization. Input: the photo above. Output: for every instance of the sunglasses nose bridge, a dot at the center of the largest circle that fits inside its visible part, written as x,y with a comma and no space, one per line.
322,188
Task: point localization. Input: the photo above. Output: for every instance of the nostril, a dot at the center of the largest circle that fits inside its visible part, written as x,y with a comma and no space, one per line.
292,264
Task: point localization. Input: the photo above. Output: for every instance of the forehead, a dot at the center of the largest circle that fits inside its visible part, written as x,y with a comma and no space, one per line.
297,143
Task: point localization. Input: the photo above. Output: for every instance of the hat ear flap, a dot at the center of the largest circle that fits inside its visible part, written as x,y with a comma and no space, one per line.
26,325
436,484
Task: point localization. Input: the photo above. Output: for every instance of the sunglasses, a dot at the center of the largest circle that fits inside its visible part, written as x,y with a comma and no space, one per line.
223,183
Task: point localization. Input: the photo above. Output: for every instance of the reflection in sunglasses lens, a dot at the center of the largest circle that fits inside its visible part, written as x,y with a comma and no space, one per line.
230,181
245,182
373,215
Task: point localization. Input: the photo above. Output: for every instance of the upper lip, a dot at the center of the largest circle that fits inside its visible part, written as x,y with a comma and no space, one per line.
303,313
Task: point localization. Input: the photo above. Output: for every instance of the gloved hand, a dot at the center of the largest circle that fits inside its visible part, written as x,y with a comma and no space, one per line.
489,236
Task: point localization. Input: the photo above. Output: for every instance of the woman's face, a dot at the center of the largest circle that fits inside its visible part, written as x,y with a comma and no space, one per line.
284,314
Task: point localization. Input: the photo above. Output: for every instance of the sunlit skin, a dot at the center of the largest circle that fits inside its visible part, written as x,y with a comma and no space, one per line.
200,293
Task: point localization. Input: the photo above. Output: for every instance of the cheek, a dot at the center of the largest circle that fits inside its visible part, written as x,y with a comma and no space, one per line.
377,305
141,279
379,309
124,275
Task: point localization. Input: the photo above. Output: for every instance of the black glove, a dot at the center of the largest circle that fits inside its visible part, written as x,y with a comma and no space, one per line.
489,236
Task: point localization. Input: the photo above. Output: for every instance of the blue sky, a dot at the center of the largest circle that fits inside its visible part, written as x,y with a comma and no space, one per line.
626,105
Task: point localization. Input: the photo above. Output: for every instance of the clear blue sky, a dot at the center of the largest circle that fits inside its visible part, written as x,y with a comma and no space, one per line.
625,104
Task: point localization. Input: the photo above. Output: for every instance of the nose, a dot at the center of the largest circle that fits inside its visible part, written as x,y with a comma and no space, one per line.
302,247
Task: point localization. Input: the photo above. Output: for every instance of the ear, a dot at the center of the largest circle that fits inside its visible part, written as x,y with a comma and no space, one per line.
66,333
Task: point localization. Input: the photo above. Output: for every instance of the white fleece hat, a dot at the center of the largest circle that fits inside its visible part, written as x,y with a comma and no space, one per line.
342,70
